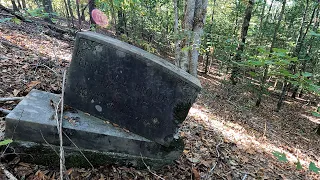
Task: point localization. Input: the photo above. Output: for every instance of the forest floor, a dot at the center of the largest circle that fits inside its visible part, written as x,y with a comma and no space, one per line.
226,136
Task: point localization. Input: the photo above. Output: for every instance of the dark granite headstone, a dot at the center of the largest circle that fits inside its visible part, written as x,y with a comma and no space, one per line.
128,86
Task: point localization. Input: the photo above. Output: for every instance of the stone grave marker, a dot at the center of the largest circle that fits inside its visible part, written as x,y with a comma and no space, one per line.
112,81
128,86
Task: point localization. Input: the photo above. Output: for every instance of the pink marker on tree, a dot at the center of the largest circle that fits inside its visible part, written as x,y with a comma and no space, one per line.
99,18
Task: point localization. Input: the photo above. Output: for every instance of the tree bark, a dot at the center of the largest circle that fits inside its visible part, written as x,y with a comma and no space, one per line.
198,23
14,6
121,26
24,6
92,6
113,14
194,19
83,17
296,88
19,4
188,26
67,11
47,5
70,12
78,14
266,67
240,48
282,95
176,32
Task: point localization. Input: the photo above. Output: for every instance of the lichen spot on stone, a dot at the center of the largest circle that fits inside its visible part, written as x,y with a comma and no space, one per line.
120,54
98,49
155,120
98,108
92,101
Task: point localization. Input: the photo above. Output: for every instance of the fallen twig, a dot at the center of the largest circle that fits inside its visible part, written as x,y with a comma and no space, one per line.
62,158
4,111
8,174
48,143
245,177
11,99
150,169
78,149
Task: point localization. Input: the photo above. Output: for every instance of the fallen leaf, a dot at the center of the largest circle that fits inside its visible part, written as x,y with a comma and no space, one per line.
31,85
15,92
196,174
193,160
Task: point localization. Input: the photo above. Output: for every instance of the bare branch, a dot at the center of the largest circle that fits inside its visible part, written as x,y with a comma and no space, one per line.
11,99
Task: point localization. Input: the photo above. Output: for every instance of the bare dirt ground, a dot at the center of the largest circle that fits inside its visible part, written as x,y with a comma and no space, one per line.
226,137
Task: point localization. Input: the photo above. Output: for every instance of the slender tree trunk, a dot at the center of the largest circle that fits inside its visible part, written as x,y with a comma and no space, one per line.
236,20
24,4
198,23
113,14
261,20
206,63
70,12
14,6
47,5
188,26
282,95
19,4
240,48
78,14
266,67
67,11
83,17
296,88
176,32
121,26
92,5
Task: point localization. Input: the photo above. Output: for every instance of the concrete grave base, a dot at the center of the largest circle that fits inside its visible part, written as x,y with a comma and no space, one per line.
32,126
47,155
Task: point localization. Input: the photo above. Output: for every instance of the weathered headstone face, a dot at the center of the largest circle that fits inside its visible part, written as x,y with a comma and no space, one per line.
128,86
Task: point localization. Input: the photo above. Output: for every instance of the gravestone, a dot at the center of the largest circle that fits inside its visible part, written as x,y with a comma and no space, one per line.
130,87
127,106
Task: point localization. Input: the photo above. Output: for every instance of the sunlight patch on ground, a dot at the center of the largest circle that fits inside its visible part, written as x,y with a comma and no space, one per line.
235,133
55,49
311,118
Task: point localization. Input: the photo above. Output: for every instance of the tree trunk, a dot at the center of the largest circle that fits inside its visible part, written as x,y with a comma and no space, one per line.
14,6
266,67
240,48
113,14
47,5
24,6
121,26
282,95
78,14
206,67
176,33
83,17
19,4
92,5
236,20
67,11
298,46
70,12
188,26
194,19
295,90
198,23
